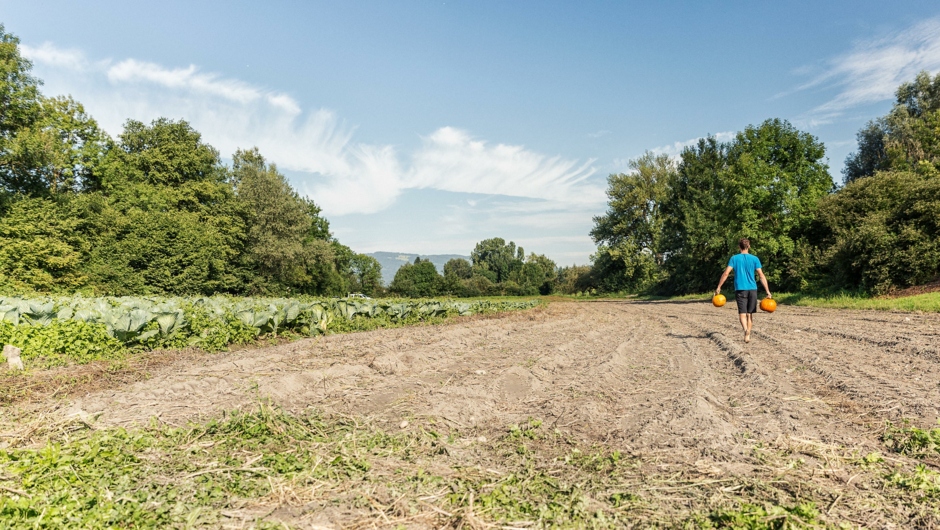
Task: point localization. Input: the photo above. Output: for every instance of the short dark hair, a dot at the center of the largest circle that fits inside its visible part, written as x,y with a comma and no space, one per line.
744,243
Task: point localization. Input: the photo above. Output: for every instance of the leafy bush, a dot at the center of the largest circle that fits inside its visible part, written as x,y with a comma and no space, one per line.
882,232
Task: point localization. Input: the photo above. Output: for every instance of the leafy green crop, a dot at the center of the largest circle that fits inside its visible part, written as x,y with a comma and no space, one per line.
61,342
59,331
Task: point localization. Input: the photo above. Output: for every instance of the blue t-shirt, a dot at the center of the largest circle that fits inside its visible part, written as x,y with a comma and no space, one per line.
744,266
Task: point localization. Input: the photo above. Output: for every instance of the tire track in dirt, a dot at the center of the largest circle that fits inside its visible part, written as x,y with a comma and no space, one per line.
872,367
856,359
763,400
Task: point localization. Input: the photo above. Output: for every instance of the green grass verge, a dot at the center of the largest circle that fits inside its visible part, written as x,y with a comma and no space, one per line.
927,302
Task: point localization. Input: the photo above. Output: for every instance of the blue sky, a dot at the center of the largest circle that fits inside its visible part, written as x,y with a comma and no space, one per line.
427,126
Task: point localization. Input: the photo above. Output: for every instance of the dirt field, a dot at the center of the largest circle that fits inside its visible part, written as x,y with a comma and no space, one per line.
708,420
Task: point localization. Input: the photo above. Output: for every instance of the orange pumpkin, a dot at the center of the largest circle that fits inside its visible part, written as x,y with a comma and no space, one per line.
768,304
718,300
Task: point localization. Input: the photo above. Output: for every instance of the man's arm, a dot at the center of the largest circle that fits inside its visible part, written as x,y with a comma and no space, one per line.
725,277
763,281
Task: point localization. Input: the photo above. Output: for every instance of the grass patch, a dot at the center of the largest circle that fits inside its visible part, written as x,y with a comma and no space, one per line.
921,481
926,302
243,466
271,469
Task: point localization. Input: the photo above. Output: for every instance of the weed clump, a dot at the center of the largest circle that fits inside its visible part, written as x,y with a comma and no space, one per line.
912,441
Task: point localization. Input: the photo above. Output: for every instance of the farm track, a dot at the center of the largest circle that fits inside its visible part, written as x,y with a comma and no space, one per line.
671,383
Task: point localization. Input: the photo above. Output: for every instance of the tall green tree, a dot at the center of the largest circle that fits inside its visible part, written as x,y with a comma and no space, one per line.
458,268
161,240
47,145
537,275
496,259
417,280
575,279
74,145
367,274
871,155
277,219
905,139
630,234
20,109
694,218
162,216
284,239
763,185
56,153
164,153
41,246
912,141
881,232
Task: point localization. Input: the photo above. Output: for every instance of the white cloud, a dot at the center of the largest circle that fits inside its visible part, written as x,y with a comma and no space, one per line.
190,79
873,70
344,176
48,53
452,160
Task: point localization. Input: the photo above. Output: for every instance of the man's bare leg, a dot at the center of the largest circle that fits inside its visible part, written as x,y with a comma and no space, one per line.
750,324
745,325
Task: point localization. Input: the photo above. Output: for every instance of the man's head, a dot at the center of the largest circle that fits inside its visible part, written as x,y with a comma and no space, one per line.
744,244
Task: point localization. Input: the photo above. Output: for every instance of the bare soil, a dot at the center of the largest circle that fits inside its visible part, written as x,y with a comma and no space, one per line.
670,383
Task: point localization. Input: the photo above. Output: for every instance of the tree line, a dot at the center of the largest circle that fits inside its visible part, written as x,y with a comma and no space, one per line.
671,225
495,268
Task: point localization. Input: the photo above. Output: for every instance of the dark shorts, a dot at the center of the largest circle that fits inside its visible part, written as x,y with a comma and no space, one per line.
747,301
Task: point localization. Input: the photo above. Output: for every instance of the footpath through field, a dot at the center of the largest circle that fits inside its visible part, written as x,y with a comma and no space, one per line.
670,383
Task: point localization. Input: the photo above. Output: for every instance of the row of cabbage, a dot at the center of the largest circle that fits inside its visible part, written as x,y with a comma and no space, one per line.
215,322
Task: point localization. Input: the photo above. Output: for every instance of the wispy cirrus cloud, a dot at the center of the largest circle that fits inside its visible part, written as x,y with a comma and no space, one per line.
873,70
451,160
191,79
343,175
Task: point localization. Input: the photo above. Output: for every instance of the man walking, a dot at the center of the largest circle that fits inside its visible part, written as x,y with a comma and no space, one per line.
744,266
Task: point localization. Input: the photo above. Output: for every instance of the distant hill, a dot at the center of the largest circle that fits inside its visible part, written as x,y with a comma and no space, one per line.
391,261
